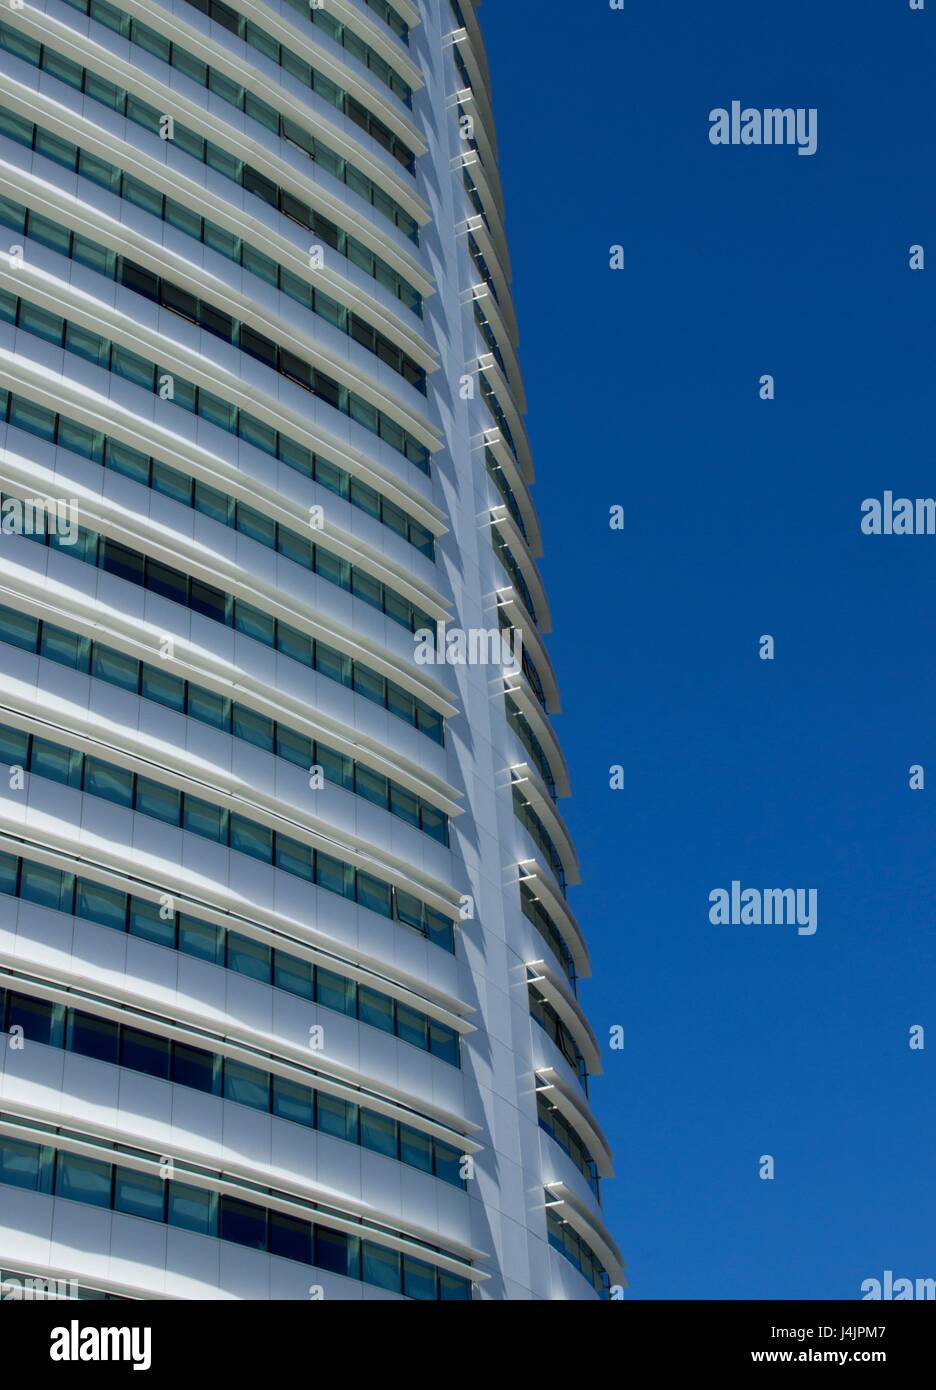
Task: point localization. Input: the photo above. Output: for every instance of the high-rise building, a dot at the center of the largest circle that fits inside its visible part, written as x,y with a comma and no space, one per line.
288,972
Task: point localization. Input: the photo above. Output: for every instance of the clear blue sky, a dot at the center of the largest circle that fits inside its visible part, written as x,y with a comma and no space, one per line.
742,518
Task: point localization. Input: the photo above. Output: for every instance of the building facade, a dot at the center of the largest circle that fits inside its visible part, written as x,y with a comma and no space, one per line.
288,971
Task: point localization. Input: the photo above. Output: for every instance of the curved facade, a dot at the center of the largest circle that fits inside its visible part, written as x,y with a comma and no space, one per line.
288,972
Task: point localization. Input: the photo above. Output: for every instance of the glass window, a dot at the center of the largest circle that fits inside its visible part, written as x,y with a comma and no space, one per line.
415,1148
332,568
404,804
40,322
337,769
448,1163
115,668
54,147
223,86
248,957
81,440
144,1052
256,433
247,1085
365,414
143,195
164,688
412,1027
254,524
443,1042
363,586
139,1194
148,923
88,345
36,1017
260,111
124,563
218,412
294,644
242,1223
56,763
295,748
211,602
434,823
254,728
430,722
295,976
14,746
201,818
300,459
95,256
452,1289
369,684
335,479
252,839
131,463
409,910
201,939
93,1037
374,894
337,1252
290,1237
100,904
336,1117
132,367
171,483
252,623
190,143
375,1009
419,1280
214,503
67,648
209,708
295,548
178,215
20,1163
372,786
99,171
294,858
334,876
19,629
153,42
101,90
396,519
170,583
34,419
335,992
186,398
335,665
293,1102
161,802
381,1267
193,1209
9,869
191,66
47,887
83,1179
378,1133
292,285
439,929
16,127
262,41
193,1067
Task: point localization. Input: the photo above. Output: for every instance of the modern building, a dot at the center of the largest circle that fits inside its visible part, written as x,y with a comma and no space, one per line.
288,970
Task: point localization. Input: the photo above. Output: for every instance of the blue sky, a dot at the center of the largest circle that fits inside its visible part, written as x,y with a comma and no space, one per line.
741,518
